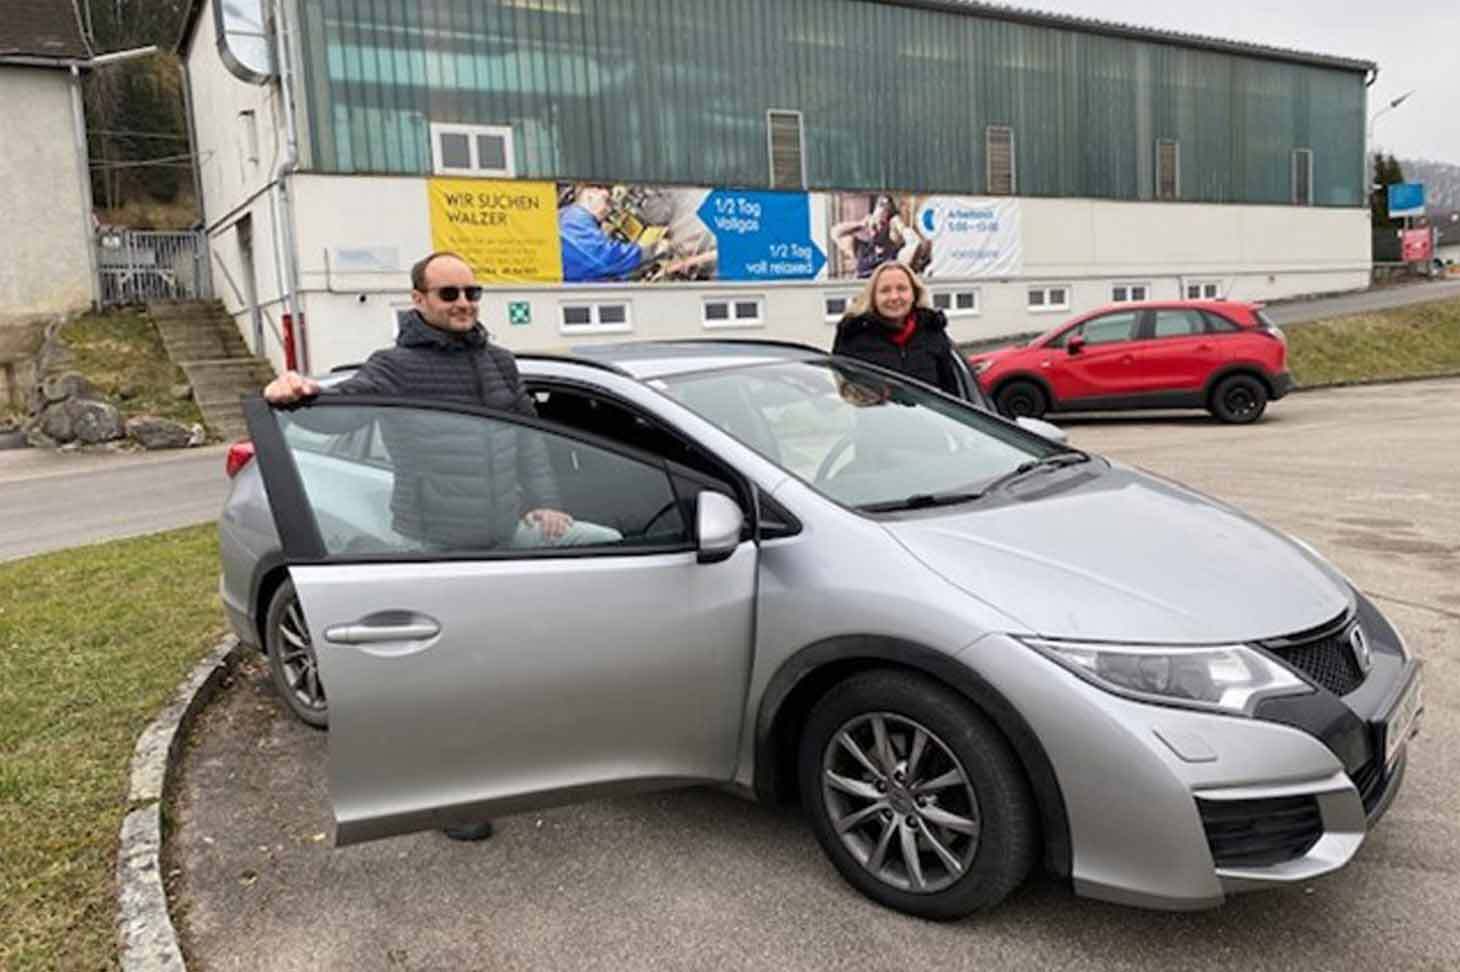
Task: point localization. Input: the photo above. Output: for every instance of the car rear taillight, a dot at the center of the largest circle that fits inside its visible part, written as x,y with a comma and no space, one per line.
239,455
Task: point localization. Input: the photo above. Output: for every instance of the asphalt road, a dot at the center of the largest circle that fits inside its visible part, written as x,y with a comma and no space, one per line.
54,500
701,880
1382,298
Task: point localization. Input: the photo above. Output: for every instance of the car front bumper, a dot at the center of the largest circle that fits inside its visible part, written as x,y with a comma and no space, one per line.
1175,808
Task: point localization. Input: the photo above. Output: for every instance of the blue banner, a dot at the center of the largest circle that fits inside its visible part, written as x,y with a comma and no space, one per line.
1407,199
762,235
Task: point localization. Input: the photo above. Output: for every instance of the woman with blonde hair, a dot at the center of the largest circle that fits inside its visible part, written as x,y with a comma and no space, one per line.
890,324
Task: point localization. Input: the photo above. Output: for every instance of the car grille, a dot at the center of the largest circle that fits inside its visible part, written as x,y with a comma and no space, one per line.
1324,654
1257,833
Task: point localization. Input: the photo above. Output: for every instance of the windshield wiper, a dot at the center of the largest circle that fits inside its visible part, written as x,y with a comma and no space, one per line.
1057,460
921,501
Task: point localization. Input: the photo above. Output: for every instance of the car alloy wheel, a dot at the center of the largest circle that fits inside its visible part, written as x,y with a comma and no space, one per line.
292,662
1239,399
915,796
902,802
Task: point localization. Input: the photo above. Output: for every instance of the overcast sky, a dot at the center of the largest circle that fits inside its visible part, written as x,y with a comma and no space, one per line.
1416,45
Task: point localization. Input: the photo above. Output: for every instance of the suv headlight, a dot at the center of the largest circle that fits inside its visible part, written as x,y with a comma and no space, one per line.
1225,678
979,367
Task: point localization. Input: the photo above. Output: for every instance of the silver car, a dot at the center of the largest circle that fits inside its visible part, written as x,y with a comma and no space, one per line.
964,648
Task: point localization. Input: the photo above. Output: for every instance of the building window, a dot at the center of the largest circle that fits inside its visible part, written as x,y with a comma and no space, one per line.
734,311
999,160
956,303
1168,169
1203,289
785,133
596,317
481,150
1302,177
837,306
1053,297
1122,292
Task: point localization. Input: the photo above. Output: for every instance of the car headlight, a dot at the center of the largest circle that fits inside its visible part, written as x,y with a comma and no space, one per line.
979,367
1225,678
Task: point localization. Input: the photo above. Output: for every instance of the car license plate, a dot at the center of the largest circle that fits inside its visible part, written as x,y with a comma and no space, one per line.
1401,721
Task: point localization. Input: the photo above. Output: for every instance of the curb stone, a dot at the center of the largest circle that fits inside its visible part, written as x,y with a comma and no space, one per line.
146,938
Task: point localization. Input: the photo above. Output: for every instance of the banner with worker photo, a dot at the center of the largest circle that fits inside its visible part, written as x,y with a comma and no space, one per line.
506,230
952,237
649,234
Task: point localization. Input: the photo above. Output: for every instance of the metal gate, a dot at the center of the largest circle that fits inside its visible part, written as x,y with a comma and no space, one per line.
134,266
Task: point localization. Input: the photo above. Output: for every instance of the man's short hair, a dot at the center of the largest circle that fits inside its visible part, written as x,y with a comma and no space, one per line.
418,269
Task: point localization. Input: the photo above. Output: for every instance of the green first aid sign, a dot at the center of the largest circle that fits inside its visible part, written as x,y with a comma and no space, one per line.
519,313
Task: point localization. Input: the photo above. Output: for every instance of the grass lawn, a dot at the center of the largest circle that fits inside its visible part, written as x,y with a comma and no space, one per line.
1422,339
93,642
121,351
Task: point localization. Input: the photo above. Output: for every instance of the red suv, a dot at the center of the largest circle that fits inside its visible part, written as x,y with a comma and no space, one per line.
1223,356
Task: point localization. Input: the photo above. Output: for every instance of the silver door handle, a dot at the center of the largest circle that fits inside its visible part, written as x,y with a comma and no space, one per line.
368,634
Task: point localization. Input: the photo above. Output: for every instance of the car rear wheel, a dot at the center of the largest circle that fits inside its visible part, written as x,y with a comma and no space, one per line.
292,663
1239,399
1022,398
915,796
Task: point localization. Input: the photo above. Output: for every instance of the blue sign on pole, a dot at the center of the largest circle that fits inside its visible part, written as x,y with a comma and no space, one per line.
762,235
1407,199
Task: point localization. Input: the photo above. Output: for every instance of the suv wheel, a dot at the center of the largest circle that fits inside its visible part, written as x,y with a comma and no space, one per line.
915,796
292,662
1022,398
1239,399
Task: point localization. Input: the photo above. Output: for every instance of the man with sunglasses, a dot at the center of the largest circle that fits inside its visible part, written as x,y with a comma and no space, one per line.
442,352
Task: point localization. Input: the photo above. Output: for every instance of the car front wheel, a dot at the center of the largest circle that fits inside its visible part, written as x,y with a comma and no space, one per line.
915,796
292,663
1022,398
1239,399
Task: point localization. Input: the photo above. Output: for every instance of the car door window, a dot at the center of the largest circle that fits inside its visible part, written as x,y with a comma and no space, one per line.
1110,328
1178,323
436,481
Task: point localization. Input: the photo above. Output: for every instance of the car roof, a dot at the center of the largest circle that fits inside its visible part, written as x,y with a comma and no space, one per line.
658,359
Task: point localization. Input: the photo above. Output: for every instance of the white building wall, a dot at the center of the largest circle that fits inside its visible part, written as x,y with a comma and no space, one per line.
239,134
45,259
1248,252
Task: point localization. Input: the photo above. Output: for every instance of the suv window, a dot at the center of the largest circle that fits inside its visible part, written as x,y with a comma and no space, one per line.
1217,324
1178,323
1110,328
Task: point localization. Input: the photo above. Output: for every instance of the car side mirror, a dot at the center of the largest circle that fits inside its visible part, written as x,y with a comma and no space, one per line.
1075,344
718,522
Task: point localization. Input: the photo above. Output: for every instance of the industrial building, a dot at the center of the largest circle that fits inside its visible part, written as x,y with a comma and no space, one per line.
648,168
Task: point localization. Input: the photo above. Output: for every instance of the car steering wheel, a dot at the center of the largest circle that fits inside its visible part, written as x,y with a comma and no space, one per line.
824,470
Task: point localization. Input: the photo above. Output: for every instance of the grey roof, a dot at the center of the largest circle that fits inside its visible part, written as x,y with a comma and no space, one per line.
657,359
1091,25
46,30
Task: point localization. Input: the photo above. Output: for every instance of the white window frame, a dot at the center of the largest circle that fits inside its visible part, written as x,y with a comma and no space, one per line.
1127,285
248,122
595,310
846,295
471,132
770,147
1298,155
1175,176
988,161
953,310
1047,307
1214,284
733,322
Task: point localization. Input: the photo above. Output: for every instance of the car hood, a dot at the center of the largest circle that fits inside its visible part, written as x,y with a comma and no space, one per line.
1120,555
997,354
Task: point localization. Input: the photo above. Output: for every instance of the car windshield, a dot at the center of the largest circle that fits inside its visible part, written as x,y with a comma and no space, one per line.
859,436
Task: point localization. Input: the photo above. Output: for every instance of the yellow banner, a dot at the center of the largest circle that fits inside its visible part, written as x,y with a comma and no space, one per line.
506,230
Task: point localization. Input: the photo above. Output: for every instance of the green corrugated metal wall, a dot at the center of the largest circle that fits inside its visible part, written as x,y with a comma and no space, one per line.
676,92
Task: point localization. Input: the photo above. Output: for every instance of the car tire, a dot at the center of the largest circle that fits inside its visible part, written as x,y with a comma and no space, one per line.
292,662
1239,399
1022,398
950,830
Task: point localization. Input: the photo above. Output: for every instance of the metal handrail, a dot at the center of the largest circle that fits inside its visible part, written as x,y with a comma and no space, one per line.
243,301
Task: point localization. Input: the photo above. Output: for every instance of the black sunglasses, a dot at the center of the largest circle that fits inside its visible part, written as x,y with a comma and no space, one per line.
449,294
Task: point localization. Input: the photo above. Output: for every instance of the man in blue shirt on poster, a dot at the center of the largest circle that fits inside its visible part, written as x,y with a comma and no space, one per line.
589,253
